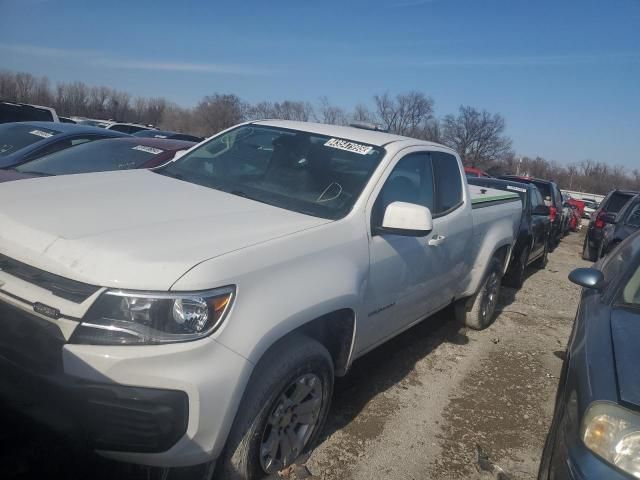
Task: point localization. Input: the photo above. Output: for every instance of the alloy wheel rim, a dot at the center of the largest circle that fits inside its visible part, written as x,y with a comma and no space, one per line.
291,423
491,298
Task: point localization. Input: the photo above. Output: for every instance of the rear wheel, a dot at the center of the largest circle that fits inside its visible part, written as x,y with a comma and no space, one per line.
515,276
542,261
482,312
588,252
283,410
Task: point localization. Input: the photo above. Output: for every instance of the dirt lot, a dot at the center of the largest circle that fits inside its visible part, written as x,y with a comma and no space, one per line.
427,405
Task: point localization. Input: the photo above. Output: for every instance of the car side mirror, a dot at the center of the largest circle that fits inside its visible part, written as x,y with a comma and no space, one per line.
608,217
587,278
542,210
408,219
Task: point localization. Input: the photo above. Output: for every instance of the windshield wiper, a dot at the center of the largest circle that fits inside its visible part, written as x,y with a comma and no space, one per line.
242,194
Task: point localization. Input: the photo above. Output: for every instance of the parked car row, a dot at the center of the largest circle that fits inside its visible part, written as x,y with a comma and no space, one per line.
22,112
532,241
30,149
144,309
595,431
562,212
613,221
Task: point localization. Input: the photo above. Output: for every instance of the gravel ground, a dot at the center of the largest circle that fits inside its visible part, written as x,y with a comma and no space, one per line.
437,402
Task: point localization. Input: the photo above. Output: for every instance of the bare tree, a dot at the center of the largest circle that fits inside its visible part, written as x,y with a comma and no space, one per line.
406,114
477,136
331,114
24,86
361,113
218,112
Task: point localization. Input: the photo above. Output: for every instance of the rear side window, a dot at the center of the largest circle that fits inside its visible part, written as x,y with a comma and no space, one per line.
545,190
616,202
448,182
634,216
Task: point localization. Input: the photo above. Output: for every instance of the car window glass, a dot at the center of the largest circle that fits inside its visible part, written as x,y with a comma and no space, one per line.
53,147
98,156
410,181
631,290
448,181
616,202
634,216
14,136
300,171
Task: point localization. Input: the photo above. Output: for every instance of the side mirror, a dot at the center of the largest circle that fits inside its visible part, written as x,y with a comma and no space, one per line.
587,278
541,210
408,219
608,217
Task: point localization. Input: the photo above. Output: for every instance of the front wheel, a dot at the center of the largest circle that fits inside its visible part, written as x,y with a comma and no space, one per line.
283,410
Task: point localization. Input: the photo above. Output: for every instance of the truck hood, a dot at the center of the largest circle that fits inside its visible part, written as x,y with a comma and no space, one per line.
625,334
131,229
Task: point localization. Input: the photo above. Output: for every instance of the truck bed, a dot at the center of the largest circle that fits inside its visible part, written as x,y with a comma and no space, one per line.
496,216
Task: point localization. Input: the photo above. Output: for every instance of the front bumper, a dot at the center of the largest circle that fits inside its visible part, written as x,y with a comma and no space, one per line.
162,405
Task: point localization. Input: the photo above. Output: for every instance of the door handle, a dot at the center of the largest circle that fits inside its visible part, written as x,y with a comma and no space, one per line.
436,240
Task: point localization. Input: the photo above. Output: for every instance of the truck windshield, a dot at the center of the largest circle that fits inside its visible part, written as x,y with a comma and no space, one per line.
299,171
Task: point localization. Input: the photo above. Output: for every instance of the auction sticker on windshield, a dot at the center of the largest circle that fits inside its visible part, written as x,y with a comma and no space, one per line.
40,133
144,148
516,189
348,146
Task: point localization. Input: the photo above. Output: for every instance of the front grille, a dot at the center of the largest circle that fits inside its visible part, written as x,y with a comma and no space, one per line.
62,287
30,342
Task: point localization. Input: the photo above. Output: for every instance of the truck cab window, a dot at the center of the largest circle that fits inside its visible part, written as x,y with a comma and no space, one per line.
448,181
410,181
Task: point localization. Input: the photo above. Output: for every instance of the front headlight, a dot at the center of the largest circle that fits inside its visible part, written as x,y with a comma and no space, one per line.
121,317
613,433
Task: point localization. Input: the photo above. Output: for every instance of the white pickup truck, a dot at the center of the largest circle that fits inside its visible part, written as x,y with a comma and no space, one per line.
198,313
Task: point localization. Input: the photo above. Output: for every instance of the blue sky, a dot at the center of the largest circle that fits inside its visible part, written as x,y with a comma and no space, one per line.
564,73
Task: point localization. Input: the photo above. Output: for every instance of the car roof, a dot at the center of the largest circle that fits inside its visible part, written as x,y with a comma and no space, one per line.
371,137
163,143
67,127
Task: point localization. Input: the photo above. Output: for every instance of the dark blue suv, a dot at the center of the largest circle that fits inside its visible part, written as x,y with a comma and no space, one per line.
595,432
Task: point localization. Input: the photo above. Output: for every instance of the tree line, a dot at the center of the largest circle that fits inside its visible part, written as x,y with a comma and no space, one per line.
477,135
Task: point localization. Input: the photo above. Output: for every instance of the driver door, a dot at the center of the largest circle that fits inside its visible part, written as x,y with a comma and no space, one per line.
405,271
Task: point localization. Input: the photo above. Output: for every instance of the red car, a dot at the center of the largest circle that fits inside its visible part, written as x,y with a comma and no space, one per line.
577,207
475,172
100,156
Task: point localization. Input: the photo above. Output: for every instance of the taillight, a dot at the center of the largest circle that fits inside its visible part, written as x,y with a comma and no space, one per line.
599,221
552,213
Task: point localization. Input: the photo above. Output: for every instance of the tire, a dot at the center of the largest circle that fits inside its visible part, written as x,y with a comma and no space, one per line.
515,275
588,253
542,261
295,365
482,312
